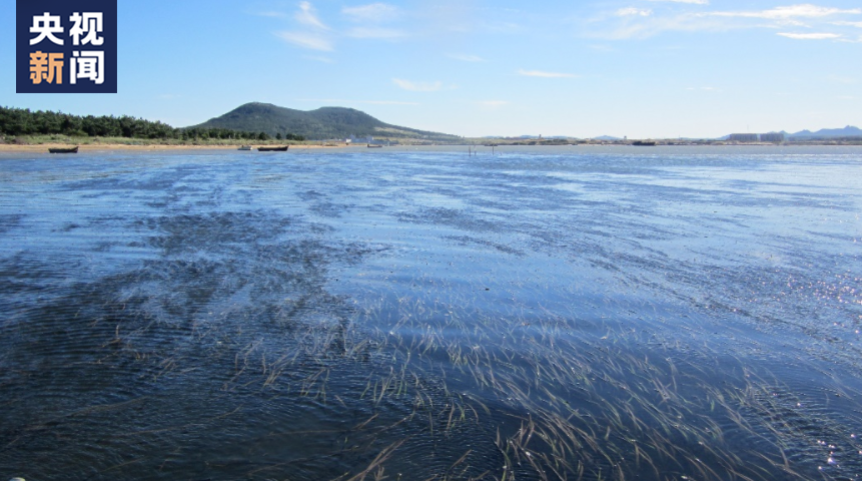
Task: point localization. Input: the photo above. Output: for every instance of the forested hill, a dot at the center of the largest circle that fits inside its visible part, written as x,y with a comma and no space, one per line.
323,123
17,122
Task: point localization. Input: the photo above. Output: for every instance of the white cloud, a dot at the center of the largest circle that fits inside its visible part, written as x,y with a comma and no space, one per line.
374,32
810,36
632,11
271,14
793,23
848,24
418,86
313,39
538,73
633,22
636,26
467,58
375,12
306,16
793,11
306,40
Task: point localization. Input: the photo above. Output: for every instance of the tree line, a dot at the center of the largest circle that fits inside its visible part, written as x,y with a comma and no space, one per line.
14,122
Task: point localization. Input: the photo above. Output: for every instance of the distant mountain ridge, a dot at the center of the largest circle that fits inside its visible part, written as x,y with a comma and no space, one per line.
323,123
848,131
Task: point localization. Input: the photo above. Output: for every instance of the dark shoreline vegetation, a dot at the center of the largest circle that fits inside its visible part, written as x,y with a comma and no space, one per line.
23,122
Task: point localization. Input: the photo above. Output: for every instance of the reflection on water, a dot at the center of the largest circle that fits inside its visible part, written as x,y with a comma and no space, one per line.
551,314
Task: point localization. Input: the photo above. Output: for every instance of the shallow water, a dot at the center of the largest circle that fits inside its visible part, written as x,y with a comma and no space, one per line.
551,313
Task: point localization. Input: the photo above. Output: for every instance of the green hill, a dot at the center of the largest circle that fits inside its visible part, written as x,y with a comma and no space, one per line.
323,123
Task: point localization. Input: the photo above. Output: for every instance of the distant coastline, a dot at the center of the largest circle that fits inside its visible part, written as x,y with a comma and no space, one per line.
468,149
255,123
89,144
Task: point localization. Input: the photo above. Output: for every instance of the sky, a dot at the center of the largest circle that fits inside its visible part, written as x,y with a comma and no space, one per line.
635,68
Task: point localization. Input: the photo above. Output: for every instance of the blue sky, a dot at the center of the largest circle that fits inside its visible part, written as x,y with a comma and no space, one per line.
640,68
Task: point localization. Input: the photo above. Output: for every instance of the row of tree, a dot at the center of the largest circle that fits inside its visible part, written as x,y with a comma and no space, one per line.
14,122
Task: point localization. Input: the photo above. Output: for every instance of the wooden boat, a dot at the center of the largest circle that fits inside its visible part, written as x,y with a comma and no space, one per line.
73,150
244,147
273,149
375,146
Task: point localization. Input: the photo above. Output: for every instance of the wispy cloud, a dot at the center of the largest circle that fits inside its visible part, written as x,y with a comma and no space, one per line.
315,38
306,40
271,14
848,24
375,32
637,26
632,11
467,58
375,12
539,73
810,36
418,86
793,11
632,22
316,35
307,16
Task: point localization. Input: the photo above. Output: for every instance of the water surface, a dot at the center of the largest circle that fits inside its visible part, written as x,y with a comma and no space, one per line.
548,313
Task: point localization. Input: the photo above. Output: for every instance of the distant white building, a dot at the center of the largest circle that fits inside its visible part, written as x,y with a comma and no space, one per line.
744,138
773,137
360,140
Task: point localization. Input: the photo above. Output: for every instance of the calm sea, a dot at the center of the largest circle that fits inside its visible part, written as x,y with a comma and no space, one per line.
555,313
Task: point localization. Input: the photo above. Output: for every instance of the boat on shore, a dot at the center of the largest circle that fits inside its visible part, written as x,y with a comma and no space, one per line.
73,150
244,147
273,149
375,146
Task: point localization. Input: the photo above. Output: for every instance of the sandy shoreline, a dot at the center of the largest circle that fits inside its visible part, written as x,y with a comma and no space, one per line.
43,148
